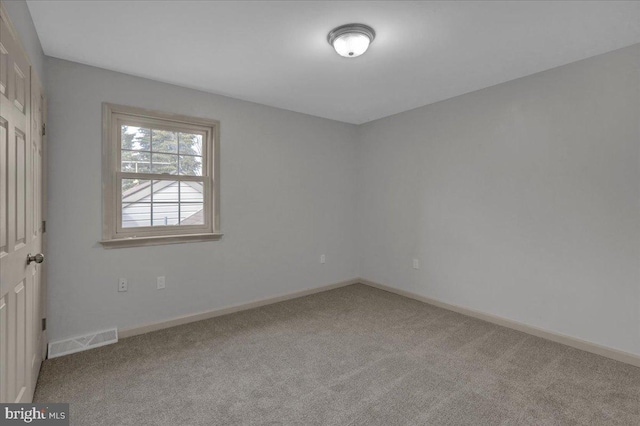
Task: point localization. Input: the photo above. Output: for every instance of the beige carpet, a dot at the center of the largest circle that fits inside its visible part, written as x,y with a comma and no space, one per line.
351,356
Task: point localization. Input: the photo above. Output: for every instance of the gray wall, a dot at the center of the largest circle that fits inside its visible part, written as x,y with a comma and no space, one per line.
521,200
287,188
21,19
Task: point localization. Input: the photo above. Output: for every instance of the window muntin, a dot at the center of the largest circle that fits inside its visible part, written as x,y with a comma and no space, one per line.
155,150
161,203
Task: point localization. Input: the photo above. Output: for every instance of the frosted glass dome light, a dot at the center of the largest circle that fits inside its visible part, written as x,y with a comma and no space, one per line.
351,40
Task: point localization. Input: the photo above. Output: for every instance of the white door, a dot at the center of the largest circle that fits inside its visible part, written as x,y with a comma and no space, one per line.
39,140
38,186
20,226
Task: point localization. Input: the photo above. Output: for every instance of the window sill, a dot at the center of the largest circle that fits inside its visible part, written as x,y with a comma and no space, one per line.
159,240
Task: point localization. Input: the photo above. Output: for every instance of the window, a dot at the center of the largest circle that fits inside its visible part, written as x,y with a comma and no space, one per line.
160,178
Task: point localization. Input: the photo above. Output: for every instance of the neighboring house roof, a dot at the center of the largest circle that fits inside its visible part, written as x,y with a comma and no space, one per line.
195,219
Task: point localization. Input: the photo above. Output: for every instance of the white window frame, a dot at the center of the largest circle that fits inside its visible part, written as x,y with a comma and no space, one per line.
113,234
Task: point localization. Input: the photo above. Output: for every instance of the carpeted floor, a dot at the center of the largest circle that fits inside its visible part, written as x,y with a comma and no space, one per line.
351,356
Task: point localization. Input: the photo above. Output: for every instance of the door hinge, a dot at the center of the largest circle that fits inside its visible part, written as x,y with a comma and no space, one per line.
44,226
44,324
44,129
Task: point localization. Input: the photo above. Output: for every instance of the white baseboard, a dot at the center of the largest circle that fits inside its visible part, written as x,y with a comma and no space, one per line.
147,328
616,354
574,342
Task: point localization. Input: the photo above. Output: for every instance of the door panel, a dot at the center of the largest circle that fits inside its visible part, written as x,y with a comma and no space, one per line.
20,149
20,92
4,70
4,380
4,146
35,190
20,336
21,234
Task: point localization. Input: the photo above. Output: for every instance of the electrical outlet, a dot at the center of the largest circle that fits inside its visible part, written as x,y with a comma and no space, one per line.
123,284
323,258
160,282
416,264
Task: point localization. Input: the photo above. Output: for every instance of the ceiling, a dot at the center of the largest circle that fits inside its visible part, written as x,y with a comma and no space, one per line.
276,53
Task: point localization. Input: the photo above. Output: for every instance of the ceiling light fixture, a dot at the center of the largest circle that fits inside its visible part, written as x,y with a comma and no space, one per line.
351,40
